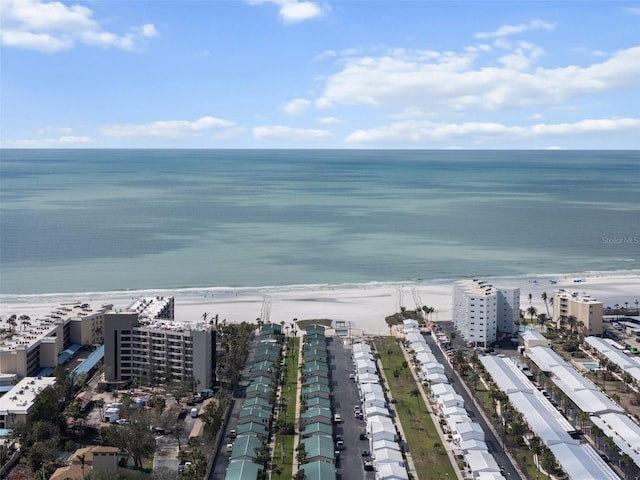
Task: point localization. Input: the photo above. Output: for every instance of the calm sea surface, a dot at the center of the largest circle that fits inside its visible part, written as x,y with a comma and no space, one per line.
103,220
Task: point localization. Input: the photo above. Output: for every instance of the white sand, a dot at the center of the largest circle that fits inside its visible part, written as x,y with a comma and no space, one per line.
363,306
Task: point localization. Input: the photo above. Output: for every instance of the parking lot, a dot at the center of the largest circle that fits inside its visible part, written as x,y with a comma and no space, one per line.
345,396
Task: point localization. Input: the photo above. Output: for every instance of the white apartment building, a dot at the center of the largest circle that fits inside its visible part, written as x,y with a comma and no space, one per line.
583,307
482,313
152,350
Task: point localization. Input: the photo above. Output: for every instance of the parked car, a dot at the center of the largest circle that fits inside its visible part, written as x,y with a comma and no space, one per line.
340,445
365,453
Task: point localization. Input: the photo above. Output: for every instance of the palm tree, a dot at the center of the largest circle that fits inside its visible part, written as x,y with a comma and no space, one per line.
415,393
536,446
542,319
24,321
627,462
12,322
545,299
572,321
532,311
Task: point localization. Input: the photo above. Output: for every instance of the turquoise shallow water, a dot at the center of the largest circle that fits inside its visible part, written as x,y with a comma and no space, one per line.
98,220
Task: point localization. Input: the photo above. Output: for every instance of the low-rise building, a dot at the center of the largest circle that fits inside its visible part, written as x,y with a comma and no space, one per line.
16,404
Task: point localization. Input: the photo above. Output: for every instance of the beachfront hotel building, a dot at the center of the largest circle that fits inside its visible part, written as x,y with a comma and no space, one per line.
483,313
36,346
582,307
151,350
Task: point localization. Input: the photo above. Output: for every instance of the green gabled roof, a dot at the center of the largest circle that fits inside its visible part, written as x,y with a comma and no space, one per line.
262,379
271,329
315,351
319,446
242,470
317,428
264,366
316,387
316,366
316,379
318,402
319,470
253,428
316,412
259,387
245,446
254,412
267,352
259,402
315,328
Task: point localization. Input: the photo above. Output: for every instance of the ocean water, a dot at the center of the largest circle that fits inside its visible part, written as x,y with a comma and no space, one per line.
107,220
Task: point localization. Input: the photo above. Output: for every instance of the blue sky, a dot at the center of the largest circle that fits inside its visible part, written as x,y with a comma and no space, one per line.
298,74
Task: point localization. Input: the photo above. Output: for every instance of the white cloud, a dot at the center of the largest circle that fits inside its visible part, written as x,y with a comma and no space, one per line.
61,130
633,10
277,132
507,30
67,141
169,129
294,11
296,106
415,131
54,26
329,120
453,83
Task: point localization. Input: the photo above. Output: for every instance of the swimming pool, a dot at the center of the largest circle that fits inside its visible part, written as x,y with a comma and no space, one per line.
591,366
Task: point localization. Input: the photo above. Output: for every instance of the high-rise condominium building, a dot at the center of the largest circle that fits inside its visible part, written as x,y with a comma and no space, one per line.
483,313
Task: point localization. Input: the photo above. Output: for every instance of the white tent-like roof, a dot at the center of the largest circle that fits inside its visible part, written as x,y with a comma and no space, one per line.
385,444
582,391
473,444
579,461
392,471
480,461
624,432
387,455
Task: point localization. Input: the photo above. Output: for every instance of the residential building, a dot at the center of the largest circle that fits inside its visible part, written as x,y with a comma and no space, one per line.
586,310
483,313
149,350
16,404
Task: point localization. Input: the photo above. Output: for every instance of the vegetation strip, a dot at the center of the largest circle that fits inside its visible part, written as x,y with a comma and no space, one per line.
428,453
285,425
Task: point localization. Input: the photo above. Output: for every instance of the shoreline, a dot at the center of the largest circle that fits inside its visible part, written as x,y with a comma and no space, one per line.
361,305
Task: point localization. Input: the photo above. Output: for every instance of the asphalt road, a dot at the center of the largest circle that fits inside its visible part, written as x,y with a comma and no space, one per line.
219,471
492,442
345,397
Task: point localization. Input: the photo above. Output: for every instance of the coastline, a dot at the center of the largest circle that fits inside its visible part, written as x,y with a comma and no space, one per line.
363,305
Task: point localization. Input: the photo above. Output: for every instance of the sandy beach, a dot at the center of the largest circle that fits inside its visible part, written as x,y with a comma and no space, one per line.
362,306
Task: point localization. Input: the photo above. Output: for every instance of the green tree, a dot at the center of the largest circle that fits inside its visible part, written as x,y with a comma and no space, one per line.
135,440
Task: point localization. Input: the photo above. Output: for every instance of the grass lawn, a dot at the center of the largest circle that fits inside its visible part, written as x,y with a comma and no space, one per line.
283,447
428,453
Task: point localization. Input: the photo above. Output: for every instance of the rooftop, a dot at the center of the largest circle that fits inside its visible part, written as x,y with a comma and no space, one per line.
21,397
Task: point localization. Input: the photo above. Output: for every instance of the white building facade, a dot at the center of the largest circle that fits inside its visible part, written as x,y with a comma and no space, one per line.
483,313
